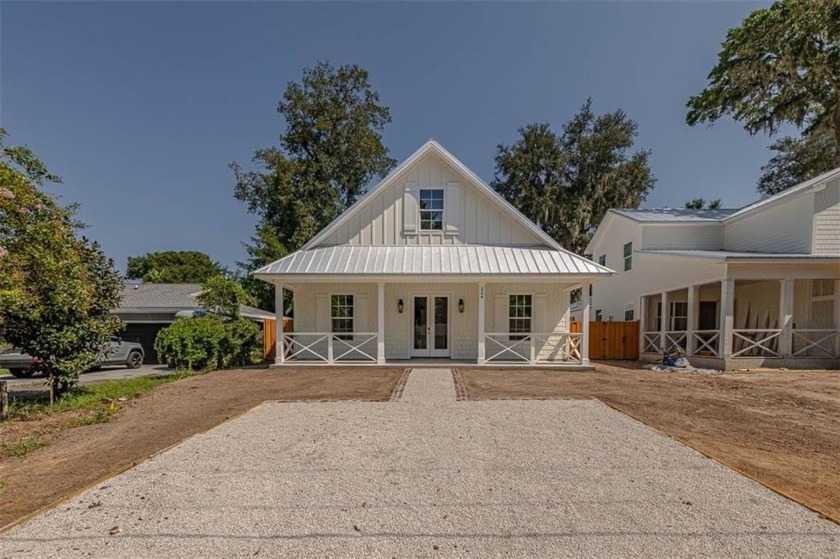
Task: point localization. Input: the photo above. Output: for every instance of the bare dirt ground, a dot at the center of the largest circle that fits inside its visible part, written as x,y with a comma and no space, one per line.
79,457
779,428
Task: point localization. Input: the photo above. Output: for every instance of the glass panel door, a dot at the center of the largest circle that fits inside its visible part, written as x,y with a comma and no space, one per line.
421,326
441,337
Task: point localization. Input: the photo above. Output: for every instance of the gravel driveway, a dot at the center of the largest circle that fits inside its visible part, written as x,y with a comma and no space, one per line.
428,476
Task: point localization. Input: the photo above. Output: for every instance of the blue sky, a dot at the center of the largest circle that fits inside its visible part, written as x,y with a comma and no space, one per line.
141,106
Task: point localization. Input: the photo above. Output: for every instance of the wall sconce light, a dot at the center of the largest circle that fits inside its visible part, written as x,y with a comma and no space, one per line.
460,305
400,306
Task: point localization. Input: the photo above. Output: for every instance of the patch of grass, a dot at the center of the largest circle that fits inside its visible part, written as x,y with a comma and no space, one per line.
22,447
91,396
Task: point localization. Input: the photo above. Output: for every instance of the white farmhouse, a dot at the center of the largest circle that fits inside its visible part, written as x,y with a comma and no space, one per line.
432,264
741,288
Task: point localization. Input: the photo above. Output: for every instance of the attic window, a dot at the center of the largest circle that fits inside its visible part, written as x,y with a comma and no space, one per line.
431,209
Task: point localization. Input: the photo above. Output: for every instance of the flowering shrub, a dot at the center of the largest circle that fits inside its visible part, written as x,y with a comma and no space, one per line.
56,289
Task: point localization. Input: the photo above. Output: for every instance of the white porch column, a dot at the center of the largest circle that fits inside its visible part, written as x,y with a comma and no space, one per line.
380,323
786,317
584,342
643,304
727,316
693,308
481,299
664,322
279,311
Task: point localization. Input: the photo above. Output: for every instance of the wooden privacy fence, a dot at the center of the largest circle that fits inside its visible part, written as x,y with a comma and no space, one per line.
612,340
270,336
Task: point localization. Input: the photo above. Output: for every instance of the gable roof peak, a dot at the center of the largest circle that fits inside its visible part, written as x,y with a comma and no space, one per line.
482,186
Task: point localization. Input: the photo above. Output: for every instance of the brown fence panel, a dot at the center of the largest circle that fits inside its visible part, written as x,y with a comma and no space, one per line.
269,338
270,335
612,340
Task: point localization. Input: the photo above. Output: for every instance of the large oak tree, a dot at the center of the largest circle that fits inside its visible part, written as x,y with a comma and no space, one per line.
566,182
330,151
781,66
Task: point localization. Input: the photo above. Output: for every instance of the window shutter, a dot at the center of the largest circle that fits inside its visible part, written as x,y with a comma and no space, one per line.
360,312
410,209
452,208
541,312
500,314
323,313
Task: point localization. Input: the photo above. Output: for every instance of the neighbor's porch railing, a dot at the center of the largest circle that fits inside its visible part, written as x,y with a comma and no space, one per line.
756,343
328,347
553,347
706,343
815,343
650,342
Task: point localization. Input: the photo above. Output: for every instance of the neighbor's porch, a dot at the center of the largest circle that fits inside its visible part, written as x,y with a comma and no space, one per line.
746,322
485,323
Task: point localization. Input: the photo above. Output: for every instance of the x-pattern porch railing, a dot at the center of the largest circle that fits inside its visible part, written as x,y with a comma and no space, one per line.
533,348
675,340
650,342
707,343
756,343
816,343
328,347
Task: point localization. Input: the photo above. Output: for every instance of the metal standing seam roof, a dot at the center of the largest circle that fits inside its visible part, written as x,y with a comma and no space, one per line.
445,260
664,215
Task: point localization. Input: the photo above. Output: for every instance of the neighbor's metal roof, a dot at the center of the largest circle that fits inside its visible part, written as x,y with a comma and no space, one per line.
449,260
676,215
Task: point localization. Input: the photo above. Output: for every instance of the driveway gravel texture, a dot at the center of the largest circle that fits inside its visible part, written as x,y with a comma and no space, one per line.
428,477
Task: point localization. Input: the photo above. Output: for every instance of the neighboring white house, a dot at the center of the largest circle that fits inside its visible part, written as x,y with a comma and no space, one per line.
751,287
432,263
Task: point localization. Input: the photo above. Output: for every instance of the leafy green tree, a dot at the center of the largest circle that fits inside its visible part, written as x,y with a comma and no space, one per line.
329,152
567,182
56,288
781,66
173,266
223,297
701,203
798,159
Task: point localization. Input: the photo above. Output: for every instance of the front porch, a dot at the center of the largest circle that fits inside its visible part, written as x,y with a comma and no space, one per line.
391,323
746,322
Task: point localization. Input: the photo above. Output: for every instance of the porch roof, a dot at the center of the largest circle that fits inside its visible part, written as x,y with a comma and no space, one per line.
452,260
733,256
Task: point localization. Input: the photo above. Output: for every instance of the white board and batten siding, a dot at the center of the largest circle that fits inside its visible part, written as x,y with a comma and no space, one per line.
390,217
548,311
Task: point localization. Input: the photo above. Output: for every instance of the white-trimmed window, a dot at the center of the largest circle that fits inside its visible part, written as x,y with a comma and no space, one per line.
520,312
431,209
341,314
602,260
628,257
629,312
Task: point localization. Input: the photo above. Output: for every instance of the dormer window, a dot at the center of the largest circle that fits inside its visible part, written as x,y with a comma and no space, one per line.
431,209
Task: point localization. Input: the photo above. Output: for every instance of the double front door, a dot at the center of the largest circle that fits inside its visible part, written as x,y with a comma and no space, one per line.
430,323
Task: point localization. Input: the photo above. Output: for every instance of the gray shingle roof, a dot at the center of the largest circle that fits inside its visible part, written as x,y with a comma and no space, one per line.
150,297
160,295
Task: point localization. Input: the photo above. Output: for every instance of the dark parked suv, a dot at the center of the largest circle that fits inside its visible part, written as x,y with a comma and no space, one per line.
117,352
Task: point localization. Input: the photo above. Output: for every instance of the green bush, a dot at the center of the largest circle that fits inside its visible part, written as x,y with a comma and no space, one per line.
207,343
243,343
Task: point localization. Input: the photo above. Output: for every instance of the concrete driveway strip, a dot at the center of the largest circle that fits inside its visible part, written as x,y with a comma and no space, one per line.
428,479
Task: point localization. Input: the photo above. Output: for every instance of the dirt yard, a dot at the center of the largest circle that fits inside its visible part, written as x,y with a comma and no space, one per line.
74,459
780,428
